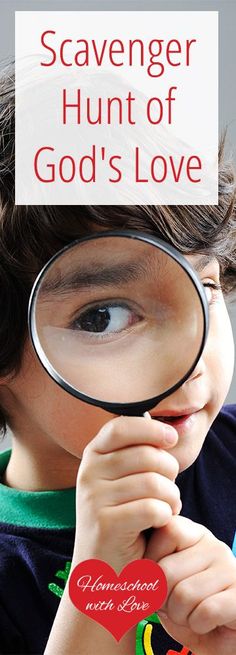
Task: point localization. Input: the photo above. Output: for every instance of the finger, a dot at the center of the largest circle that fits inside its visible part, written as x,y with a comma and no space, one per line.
184,564
180,534
142,485
189,593
137,459
215,611
128,431
134,517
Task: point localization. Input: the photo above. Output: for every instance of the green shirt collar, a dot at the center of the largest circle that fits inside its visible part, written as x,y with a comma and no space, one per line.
35,509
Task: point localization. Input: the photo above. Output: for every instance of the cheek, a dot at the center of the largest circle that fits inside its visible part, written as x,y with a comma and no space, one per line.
73,424
220,351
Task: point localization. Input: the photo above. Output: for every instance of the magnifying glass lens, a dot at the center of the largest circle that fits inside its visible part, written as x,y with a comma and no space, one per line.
117,319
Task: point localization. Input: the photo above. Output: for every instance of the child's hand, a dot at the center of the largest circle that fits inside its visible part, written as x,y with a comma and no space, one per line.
125,484
201,576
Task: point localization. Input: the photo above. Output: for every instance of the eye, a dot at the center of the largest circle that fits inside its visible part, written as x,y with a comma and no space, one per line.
212,291
105,320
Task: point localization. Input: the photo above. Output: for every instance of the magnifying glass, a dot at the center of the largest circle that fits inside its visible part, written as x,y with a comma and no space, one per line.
119,319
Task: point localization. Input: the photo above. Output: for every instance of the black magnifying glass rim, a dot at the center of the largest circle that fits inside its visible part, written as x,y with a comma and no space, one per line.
139,407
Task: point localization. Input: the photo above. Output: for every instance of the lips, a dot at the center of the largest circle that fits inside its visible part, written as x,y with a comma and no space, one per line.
176,416
184,420
173,419
174,413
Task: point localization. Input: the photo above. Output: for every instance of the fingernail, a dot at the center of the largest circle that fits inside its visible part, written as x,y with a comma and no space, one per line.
170,435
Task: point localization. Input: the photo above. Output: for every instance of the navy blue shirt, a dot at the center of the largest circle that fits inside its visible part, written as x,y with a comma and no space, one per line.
37,536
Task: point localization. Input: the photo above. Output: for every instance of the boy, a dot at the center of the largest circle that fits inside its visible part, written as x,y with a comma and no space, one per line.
130,473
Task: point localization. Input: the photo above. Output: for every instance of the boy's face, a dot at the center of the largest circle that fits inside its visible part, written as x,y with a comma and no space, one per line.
56,422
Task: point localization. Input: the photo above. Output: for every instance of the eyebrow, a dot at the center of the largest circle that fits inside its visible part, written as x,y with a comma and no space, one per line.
106,276
99,277
202,261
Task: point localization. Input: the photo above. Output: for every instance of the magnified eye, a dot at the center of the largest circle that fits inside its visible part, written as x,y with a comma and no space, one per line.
105,319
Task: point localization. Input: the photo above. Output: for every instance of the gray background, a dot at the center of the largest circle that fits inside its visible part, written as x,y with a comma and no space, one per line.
227,62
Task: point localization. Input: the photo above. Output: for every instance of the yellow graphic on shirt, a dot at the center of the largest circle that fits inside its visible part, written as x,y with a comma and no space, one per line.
144,639
147,639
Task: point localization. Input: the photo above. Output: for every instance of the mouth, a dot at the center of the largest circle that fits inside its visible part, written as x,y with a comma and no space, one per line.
177,419
174,420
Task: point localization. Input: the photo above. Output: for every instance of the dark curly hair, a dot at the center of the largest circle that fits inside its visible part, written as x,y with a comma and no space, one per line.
30,235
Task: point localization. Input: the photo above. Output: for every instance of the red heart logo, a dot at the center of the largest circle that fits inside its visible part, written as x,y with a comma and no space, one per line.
118,602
